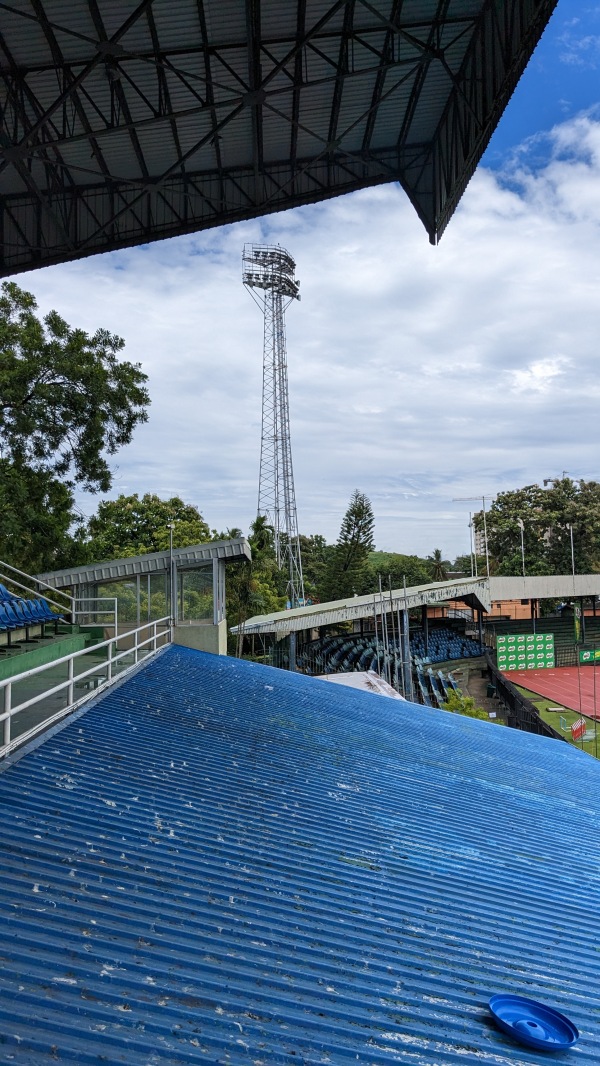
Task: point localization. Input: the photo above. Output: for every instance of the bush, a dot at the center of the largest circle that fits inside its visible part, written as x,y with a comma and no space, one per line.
465,705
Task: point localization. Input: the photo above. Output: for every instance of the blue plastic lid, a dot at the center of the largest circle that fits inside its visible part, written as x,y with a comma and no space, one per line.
533,1023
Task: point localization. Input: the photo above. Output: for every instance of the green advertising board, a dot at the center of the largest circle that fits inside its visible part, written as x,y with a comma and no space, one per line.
525,651
577,625
589,655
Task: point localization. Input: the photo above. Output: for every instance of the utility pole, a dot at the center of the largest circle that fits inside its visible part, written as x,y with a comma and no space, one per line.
521,526
476,499
268,275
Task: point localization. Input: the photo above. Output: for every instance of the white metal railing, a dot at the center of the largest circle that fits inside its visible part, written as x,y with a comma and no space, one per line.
79,610
35,591
95,674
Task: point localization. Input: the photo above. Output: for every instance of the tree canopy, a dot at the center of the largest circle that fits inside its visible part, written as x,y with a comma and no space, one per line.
66,400
39,527
67,403
438,566
547,515
347,564
394,568
132,526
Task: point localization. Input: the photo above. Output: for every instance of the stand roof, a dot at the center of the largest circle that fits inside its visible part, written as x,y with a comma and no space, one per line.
129,122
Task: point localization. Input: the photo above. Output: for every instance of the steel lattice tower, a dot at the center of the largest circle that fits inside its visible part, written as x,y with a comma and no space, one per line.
268,274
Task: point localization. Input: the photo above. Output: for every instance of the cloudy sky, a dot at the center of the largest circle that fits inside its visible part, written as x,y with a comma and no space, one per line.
417,374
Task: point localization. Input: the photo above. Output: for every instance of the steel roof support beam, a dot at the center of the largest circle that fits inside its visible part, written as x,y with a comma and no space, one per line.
114,76
227,123
80,78
210,97
256,92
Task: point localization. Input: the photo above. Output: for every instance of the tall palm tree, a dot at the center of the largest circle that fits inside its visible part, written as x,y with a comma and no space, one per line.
437,565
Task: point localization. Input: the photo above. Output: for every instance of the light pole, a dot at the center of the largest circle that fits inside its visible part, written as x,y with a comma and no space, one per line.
470,499
570,528
521,526
171,527
473,555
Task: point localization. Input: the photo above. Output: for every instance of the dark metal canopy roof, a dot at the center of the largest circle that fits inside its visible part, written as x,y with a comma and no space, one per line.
125,122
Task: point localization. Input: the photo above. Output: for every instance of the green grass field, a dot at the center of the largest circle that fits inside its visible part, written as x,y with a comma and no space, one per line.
553,718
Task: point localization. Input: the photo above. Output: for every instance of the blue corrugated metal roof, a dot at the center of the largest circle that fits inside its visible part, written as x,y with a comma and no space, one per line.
219,862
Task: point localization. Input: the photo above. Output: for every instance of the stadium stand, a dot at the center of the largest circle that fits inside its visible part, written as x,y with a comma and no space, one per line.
443,644
344,653
350,652
18,614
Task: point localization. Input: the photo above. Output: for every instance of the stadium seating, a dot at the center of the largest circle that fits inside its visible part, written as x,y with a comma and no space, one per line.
17,613
348,652
443,644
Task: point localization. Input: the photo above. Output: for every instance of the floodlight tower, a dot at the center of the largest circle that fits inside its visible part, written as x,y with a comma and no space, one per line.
268,274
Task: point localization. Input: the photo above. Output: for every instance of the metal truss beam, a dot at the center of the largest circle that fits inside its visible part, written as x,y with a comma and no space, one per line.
114,134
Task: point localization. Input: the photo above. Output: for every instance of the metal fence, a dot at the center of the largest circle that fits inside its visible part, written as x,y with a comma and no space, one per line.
520,712
35,699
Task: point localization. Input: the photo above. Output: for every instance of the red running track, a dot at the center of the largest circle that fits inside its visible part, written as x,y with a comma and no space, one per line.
563,685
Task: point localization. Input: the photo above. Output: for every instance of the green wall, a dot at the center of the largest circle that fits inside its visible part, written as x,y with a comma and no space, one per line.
43,653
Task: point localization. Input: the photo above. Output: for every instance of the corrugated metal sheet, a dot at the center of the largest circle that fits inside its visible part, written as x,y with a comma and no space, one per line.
195,554
560,586
475,590
224,863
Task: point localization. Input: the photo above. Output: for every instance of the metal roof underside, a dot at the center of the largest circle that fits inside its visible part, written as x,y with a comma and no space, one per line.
220,862
127,122
475,592
189,558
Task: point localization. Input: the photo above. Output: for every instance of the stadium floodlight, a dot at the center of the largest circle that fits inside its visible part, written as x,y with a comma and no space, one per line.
268,272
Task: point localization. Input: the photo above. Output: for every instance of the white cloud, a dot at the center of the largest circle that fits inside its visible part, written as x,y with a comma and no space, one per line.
539,376
417,374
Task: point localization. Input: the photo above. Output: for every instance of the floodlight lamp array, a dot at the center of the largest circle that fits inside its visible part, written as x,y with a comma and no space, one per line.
270,267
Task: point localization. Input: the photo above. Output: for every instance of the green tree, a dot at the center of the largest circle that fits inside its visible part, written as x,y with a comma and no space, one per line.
347,564
577,504
394,567
547,515
256,587
465,705
133,526
316,555
39,527
462,565
66,401
527,505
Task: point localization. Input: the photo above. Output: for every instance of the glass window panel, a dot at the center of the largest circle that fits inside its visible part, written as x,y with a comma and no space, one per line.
126,594
159,606
196,594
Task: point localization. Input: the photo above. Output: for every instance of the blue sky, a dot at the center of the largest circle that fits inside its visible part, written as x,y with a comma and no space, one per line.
417,374
561,79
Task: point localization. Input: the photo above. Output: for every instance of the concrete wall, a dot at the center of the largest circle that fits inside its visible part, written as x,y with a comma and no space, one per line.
203,637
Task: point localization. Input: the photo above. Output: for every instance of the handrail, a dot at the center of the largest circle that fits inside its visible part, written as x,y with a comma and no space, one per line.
38,581
113,610
6,686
